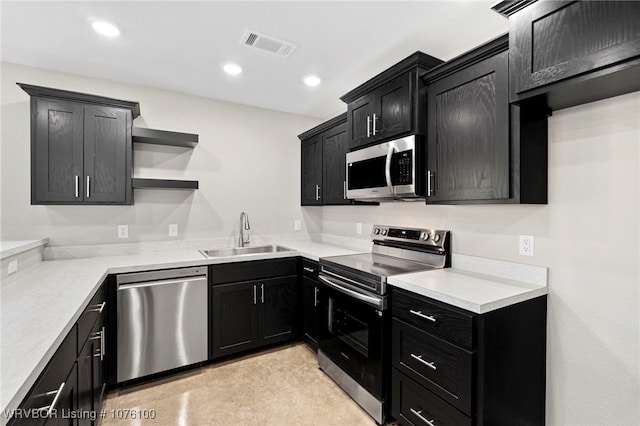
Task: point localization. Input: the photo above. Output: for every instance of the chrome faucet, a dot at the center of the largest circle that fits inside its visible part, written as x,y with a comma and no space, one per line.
244,226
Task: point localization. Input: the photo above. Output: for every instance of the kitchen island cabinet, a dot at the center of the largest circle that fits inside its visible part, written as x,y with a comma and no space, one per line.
252,304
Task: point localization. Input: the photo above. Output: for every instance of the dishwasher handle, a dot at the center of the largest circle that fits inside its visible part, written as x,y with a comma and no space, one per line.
122,287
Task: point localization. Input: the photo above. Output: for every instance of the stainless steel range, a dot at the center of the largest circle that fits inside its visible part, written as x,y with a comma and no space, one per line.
354,331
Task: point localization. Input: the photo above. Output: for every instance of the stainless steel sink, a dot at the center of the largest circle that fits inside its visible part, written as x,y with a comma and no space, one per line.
240,251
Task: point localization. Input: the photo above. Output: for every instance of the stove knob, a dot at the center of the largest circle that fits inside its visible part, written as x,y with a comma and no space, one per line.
376,231
436,238
424,236
384,232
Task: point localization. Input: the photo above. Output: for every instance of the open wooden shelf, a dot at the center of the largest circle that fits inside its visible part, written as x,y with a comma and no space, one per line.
139,183
164,137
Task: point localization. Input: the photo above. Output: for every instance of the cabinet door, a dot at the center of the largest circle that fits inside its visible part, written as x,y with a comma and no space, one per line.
551,41
99,362
359,116
67,402
233,325
392,110
56,152
334,152
85,379
310,313
277,309
106,149
468,127
311,171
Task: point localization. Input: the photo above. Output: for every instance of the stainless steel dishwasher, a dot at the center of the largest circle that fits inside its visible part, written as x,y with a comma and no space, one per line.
162,321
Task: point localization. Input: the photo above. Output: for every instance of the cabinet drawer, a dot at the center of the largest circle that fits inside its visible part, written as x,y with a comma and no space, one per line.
254,270
412,404
444,368
310,269
49,384
434,317
94,310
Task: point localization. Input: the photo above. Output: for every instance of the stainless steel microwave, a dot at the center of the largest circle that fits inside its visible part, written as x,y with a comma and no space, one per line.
388,171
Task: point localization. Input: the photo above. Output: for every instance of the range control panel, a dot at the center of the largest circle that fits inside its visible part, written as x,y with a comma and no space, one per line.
432,237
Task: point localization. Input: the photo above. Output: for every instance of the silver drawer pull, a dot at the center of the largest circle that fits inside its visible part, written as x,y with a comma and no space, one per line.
97,308
309,269
421,315
49,408
427,363
418,414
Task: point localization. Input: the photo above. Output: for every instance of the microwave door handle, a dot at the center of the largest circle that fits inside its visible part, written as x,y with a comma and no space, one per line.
387,170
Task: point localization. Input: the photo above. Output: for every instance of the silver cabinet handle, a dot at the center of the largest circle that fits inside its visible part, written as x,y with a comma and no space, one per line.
262,291
374,124
317,192
431,365
102,345
315,296
49,408
309,269
77,186
88,182
97,308
418,414
368,126
421,315
344,189
429,190
254,295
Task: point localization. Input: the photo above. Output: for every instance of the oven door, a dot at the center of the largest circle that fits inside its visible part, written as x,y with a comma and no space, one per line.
352,333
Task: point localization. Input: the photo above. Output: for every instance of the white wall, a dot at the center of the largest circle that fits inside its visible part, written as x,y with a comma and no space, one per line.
589,237
248,159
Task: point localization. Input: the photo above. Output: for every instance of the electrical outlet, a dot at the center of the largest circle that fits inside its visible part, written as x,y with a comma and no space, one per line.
527,245
358,228
297,225
173,229
123,231
13,266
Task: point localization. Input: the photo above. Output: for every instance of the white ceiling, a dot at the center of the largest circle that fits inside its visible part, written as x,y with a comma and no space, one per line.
181,45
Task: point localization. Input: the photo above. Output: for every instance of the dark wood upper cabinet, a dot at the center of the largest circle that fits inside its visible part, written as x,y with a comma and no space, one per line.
390,104
481,149
334,152
572,52
323,163
80,147
311,171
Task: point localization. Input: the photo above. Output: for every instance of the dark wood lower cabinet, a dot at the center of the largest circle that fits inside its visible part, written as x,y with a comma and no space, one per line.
251,306
309,303
495,376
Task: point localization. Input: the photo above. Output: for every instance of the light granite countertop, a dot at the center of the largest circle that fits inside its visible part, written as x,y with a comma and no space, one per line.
13,247
41,304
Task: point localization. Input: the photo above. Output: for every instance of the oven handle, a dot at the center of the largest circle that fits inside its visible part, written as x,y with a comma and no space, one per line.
387,170
374,301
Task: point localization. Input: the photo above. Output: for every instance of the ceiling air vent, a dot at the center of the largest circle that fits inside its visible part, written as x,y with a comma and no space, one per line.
268,43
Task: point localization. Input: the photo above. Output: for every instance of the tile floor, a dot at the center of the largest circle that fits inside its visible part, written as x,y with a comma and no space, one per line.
281,386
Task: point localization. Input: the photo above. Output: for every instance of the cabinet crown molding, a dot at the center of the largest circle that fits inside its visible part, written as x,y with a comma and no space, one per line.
342,118
414,61
509,7
80,97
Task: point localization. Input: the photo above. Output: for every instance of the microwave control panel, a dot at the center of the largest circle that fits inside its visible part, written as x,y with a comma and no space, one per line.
403,173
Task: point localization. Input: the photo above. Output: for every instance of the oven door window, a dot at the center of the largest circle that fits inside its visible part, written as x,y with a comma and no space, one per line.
348,328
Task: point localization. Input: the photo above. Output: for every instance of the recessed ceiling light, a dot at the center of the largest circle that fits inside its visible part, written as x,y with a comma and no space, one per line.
232,69
106,29
311,80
